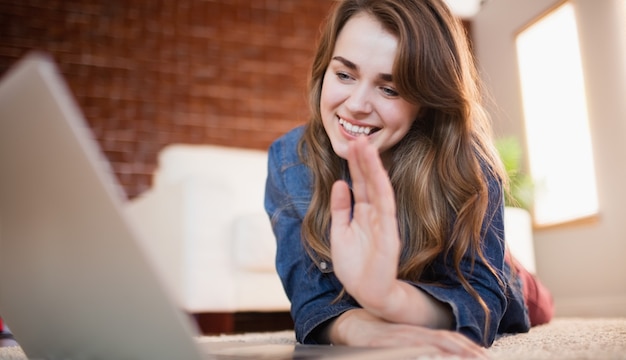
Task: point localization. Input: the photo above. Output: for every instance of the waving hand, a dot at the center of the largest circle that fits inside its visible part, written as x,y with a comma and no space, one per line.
365,248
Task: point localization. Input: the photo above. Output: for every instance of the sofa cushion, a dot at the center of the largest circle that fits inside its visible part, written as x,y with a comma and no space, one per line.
254,243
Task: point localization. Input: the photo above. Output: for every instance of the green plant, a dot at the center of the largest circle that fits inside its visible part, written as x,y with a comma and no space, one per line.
520,192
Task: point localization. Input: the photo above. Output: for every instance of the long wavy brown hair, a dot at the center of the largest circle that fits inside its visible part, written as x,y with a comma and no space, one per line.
439,169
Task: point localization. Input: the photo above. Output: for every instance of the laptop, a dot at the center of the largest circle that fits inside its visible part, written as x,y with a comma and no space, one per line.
74,281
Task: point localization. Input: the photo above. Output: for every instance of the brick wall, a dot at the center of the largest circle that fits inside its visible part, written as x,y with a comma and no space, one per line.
148,73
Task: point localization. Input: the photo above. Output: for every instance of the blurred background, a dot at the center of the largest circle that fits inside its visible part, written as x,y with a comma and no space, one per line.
149,73
233,72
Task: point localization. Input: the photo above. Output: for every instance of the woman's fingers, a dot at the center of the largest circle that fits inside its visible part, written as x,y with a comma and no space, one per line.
340,209
380,195
358,176
340,200
373,177
447,341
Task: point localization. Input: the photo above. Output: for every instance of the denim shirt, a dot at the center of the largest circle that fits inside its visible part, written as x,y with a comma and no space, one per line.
312,287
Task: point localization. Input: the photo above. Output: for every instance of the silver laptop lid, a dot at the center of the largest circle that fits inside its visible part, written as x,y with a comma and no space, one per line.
74,282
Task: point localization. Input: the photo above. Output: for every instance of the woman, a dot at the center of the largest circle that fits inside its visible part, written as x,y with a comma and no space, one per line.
387,205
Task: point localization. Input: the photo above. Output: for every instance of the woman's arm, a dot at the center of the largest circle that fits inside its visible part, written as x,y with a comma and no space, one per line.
358,327
365,249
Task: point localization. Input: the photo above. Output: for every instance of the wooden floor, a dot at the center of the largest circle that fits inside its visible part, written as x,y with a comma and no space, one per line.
242,322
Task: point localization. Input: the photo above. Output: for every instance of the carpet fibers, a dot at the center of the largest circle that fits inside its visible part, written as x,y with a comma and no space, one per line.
563,338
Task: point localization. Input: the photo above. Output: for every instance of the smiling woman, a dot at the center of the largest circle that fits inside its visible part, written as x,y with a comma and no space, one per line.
387,206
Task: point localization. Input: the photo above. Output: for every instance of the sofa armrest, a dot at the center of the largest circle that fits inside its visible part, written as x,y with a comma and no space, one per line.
188,237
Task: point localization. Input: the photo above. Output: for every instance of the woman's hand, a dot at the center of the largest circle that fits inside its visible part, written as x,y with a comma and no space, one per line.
358,327
365,248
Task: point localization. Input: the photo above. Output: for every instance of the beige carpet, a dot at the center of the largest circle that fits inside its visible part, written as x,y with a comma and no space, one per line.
563,338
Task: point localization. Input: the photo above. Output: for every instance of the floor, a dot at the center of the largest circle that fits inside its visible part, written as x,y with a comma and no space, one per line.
241,322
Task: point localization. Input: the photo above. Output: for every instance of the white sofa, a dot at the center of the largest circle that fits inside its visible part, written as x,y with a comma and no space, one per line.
205,227
518,232
209,236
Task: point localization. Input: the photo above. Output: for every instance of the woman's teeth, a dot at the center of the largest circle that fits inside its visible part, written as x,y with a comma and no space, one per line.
355,130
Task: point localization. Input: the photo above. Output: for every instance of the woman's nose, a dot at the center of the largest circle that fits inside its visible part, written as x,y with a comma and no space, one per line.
359,99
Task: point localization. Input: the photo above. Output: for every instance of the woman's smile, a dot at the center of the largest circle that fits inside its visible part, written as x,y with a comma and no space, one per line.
356,130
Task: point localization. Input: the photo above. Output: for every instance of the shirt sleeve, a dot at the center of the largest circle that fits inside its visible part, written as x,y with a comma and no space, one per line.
311,287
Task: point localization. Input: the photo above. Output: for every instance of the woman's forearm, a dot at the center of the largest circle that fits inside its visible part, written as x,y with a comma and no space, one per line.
407,304
358,327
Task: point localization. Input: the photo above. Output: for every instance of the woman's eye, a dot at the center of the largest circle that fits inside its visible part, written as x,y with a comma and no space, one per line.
389,91
343,76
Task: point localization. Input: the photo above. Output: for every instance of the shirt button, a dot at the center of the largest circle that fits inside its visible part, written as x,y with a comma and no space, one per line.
323,265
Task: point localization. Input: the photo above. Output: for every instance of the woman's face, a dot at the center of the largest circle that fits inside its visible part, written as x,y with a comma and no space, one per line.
358,95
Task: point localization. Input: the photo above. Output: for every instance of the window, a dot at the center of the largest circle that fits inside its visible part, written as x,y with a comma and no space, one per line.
555,114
